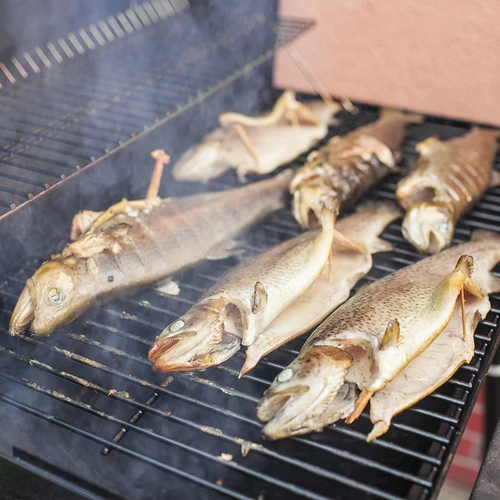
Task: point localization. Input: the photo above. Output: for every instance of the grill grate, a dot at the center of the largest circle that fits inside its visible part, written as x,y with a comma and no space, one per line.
93,379
64,120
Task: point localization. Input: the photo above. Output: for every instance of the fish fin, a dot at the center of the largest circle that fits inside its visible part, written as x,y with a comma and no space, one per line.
466,265
259,298
329,214
379,245
423,147
231,248
343,241
494,179
167,287
407,117
362,401
392,335
478,317
81,223
482,234
379,428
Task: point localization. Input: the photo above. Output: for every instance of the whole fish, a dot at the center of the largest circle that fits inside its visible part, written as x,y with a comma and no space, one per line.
346,167
450,178
257,144
371,338
244,302
445,355
334,284
135,244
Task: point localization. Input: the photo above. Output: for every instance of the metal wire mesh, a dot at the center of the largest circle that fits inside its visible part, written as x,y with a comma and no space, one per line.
199,430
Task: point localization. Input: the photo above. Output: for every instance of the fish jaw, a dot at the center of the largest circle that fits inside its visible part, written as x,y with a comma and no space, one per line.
23,313
297,400
199,339
429,226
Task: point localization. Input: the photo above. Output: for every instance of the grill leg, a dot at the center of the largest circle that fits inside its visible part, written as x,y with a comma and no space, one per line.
493,397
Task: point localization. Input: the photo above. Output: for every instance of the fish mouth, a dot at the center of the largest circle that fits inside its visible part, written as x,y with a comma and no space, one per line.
429,227
184,352
24,312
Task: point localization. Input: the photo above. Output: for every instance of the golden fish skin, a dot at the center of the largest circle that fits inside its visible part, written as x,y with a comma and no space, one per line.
346,167
449,179
334,285
136,244
421,298
274,139
244,302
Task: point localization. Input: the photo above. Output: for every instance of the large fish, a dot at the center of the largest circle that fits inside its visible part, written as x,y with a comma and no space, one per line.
370,339
244,302
450,178
334,284
346,167
257,144
135,244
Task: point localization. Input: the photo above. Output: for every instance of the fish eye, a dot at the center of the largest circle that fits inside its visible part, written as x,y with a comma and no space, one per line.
55,295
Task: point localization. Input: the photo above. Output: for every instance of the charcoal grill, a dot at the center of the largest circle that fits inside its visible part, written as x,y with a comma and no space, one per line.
82,409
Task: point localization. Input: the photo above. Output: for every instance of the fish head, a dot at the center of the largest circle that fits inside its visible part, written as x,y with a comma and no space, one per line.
201,163
52,297
297,399
206,335
429,226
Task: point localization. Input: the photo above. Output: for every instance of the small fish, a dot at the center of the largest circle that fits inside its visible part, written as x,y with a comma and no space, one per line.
257,144
244,302
136,244
334,284
449,179
372,337
346,167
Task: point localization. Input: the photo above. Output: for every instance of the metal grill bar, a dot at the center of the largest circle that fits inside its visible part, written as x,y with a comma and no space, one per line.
90,112
110,344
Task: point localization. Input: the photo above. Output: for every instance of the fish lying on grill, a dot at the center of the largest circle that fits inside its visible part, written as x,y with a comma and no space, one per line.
371,338
135,244
346,167
264,144
449,179
432,368
244,302
334,284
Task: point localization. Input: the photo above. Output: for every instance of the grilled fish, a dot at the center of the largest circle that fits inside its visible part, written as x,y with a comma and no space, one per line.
371,338
245,302
264,144
348,166
449,179
333,286
135,244
431,369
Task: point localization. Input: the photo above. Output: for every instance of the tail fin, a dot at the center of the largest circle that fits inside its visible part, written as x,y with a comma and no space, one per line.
407,117
329,214
466,265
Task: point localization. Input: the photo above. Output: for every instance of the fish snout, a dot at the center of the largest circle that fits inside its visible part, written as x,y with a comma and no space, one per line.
195,341
429,226
23,314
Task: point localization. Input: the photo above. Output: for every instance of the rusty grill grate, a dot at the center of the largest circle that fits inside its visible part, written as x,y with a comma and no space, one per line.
141,434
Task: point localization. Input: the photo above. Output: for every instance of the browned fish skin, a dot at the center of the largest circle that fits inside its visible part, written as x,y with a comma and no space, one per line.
135,248
449,179
348,166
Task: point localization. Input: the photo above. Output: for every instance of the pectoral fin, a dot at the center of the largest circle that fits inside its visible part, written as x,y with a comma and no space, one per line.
392,335
259,299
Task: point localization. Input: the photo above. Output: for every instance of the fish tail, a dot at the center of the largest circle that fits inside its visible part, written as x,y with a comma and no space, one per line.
329,214
407,117
466,265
